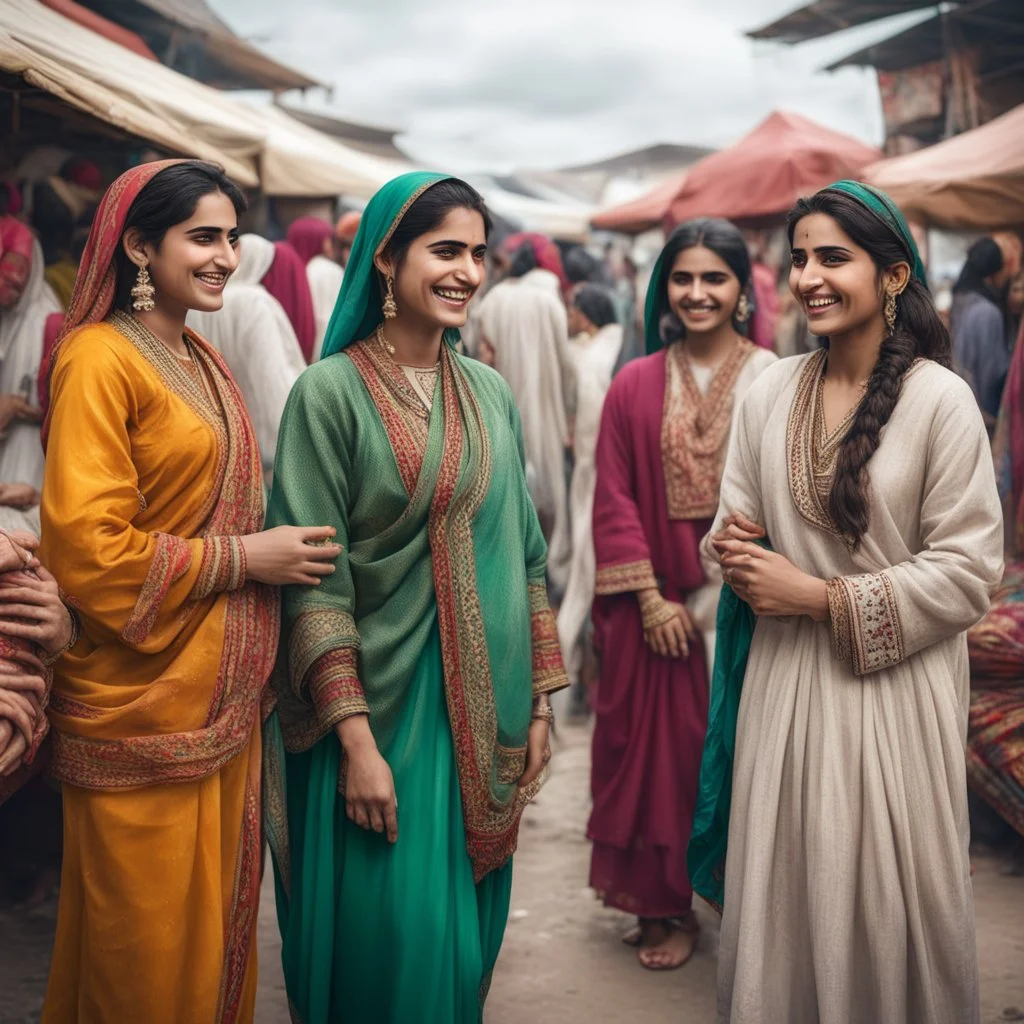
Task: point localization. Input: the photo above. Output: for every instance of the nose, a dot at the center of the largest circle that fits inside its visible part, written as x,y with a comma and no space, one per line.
472,272
226,256
696,290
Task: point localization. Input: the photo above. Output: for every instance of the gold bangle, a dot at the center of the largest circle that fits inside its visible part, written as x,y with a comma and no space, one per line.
543,713
76,631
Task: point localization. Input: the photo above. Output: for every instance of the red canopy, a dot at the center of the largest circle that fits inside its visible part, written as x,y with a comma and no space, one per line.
757,179
973,181
97,23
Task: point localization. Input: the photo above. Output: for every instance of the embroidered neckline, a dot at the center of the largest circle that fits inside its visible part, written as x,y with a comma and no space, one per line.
695,429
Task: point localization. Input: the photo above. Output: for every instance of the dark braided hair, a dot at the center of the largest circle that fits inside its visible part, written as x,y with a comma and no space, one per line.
919,334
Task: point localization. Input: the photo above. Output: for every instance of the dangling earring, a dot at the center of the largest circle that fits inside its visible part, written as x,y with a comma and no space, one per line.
143,292
889,312
743,308
390,307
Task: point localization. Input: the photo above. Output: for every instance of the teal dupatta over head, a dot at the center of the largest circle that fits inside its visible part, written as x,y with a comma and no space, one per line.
357,312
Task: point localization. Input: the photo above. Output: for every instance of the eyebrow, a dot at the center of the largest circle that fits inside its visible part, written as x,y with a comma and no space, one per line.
824,250
211,230
453,243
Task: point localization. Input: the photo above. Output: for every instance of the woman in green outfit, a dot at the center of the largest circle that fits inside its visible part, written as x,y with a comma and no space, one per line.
412,718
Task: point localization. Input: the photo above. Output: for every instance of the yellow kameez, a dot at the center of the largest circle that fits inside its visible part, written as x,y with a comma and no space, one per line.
150,483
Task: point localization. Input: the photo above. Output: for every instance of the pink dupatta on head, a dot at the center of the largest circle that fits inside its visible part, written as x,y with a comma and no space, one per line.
96,284
307,236
286,280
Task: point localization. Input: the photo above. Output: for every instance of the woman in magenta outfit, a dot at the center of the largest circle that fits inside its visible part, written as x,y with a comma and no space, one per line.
660,453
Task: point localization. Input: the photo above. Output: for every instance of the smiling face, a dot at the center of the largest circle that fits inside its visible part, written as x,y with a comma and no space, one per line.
190,267
702,290
835,281
441,271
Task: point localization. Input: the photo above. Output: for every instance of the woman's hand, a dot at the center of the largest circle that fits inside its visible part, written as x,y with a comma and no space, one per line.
22,672
16,550
370,799
538,751
21,710
20,496
736,526
13,746
770,583
290,554
31,609
668,627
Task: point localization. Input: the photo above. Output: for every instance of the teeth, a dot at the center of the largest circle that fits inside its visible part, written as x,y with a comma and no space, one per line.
818,303
449,293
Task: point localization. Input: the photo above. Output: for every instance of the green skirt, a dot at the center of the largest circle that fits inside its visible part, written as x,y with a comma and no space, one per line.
381,934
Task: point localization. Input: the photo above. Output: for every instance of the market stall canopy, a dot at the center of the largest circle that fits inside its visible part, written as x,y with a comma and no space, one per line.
301,162
565,222
189,37
824,17
97,23
643,213
754,181
972,181
135,95
369,138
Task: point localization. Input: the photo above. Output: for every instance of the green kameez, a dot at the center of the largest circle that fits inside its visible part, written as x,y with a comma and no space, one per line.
436,624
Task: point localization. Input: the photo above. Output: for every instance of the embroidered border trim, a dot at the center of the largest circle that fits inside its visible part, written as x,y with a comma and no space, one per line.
875,634
222,568
171,560
548,669
839,619
335,687
620,579
315,633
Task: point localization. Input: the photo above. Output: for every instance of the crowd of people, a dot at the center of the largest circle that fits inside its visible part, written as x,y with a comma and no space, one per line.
306,541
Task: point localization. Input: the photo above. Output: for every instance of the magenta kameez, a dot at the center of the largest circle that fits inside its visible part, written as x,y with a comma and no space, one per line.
651,711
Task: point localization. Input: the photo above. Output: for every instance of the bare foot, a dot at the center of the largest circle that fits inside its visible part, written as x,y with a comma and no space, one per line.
677,947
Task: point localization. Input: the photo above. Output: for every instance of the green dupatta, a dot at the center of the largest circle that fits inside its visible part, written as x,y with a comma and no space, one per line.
439,533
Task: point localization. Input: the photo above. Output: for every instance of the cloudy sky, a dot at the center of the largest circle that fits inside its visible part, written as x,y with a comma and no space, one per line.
497,84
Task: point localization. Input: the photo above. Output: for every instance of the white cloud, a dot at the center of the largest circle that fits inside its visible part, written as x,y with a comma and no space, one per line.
504,83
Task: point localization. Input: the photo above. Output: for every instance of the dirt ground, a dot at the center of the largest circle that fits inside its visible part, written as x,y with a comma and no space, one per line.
562,962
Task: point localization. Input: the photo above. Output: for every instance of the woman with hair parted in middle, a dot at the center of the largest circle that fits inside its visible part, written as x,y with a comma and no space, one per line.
152,519
660,453
847,879
413,712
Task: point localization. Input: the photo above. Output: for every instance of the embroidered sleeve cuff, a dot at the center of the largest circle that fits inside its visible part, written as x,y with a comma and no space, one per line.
222,568
548,669
172,559
335,688
865,622
620,579
655,610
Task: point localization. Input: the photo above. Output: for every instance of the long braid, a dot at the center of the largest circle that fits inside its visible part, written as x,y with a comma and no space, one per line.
848,500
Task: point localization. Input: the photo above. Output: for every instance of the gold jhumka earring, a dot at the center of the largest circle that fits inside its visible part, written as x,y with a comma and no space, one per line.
743,308
889,311
390,307
143,292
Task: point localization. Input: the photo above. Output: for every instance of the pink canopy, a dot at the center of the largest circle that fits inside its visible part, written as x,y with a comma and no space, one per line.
757,179
972,181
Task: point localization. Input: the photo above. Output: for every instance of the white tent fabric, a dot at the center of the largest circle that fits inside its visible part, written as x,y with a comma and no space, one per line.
568,223
261,145
122,88
303,162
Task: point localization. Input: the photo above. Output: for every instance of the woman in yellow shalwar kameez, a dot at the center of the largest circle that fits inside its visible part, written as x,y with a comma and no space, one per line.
152,507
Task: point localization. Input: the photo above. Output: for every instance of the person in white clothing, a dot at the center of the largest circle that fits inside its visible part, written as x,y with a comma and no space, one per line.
255,336
523,324
595,343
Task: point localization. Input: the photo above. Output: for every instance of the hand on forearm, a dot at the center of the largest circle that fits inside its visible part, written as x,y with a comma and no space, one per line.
770,583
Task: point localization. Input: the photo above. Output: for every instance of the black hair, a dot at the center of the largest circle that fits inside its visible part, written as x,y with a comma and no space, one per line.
524,259
726,241
595,304
53,220
429,210
580,266
984,259
169,198
918,333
